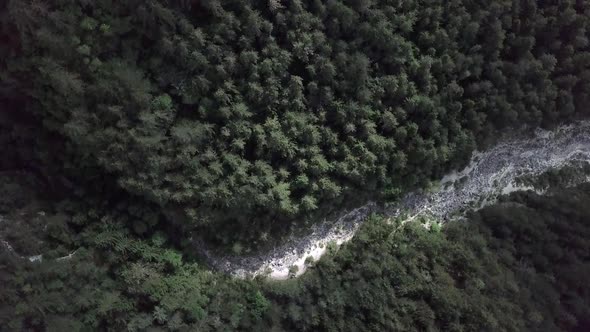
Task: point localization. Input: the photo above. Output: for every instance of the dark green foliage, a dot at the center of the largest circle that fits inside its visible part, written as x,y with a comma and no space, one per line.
98,275
52,296
519,265
247,114
569,175
516,266
234,119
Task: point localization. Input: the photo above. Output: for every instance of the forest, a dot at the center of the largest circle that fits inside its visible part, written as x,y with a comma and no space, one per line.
519,265
241,117
130,127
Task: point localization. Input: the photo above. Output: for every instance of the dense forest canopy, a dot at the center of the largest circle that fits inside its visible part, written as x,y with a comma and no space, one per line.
522,264
128,127
243,115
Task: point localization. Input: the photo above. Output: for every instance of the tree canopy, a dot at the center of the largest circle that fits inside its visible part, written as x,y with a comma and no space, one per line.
248,114
128,127
521,264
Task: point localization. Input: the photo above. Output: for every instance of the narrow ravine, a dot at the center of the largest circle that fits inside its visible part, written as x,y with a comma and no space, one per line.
489,174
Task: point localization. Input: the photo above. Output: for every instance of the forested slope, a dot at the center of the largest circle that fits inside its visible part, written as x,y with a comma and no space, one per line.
128,127
520,265
243,115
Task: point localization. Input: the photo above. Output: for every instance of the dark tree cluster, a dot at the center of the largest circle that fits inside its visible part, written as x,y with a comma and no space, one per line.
126,127
243,115
520,265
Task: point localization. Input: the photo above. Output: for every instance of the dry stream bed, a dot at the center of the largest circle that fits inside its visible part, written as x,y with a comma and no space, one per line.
489,174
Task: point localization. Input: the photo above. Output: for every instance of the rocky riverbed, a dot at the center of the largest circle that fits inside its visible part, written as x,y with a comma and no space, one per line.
489,174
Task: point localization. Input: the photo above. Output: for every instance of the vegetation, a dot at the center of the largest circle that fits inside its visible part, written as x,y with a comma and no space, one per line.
245,115
570,175
129,126
519,265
